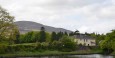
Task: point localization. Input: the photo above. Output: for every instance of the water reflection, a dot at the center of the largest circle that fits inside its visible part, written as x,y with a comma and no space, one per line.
90,56
74,56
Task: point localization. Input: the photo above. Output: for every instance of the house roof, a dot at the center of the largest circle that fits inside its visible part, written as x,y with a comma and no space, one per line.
83,36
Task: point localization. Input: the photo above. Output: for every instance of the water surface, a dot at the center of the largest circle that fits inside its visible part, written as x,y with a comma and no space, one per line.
74,56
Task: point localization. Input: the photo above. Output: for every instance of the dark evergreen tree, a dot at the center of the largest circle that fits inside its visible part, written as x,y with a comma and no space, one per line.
71,34
42,29
62,34
76,32
59,35
66,33
42,35
53,36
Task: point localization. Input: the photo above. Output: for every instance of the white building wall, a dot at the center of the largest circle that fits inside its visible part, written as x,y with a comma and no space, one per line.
86,42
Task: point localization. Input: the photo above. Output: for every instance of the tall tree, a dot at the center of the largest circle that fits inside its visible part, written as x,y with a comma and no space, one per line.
59,35
66,33
53,36
42,35
108,44
6,24
42,29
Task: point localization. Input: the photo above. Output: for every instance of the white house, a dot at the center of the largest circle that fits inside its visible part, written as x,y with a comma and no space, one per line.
85,40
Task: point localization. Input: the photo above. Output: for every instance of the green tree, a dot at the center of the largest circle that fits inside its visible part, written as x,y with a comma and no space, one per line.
59,35
48,37
36,36
71,34
22,38
66,33
108,44
55,45
28,37
53,36
42,35
42,29
6,24
13,36
68,44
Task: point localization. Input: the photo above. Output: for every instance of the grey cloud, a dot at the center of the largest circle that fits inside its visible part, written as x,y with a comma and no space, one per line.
65,4
85,15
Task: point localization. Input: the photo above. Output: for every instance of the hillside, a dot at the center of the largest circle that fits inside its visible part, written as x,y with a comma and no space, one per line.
26,26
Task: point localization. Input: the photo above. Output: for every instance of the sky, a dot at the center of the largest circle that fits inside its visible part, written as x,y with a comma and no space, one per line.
83,15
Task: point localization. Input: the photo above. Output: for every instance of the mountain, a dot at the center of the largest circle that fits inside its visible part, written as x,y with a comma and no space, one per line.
26,26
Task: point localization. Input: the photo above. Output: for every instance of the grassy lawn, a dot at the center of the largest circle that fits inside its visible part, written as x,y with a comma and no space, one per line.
47,53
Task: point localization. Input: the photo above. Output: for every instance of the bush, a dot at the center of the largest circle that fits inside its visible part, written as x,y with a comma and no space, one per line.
11,48
55,45
67,44
17,48
3,49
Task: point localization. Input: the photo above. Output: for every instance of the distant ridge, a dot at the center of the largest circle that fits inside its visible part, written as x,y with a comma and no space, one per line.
26,26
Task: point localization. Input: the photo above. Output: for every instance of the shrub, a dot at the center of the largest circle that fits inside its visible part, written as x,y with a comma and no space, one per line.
3,49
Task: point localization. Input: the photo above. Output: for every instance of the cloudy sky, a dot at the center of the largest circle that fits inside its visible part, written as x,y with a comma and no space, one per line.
85,15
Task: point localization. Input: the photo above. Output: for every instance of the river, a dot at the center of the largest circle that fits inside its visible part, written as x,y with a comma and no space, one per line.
74,56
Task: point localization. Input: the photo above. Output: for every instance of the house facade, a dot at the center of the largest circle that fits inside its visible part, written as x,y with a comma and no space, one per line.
85,40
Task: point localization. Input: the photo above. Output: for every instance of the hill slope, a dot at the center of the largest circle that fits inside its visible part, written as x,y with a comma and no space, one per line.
26,26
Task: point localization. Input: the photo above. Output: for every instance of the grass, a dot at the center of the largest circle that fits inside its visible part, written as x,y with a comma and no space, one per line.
46,53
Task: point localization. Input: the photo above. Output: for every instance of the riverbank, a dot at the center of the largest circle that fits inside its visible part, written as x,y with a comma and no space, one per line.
47,53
